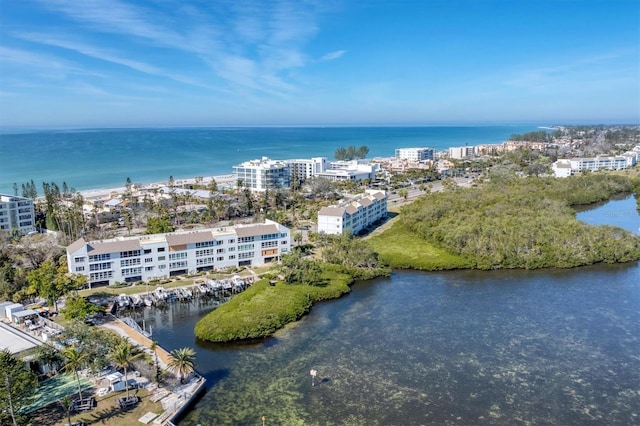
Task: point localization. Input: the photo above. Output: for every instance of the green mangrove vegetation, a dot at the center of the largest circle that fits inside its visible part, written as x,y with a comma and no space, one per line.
264,308
513,222
297,283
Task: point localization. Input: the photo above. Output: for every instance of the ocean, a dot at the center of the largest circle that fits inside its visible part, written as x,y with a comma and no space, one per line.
104,158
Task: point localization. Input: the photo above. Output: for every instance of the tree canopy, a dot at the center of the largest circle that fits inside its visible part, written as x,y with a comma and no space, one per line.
524,223
17,387
351,153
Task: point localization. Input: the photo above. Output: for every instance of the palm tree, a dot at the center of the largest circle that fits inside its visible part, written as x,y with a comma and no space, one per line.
182,362
49,356
75,359
122,355
67,404
154,348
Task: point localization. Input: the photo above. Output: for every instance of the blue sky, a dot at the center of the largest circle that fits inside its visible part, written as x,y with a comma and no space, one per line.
103,63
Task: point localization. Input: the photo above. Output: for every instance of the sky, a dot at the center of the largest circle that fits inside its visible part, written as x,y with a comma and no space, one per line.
125,63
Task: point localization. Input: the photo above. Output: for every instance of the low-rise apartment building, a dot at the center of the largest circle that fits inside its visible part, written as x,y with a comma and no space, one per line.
354,214
141,258
17,214
567,167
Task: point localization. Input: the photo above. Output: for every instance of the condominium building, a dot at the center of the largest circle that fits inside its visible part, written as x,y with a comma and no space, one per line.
351,170
415,154
566,167
263,174
17,213
459,152
303,169
141,258
354,214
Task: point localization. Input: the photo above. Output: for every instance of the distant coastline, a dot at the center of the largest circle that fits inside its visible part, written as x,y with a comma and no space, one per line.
104,158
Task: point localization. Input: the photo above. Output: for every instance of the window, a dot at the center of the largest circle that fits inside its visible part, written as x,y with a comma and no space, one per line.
232,256
160,249
100,276
148,259
220,250
245,247
161,258
220,259
79,259
126,272
148,268
246,255
179,255
178,265
130,253
100,266
147,251
205,252
269,244
99,257
79,268
129,262
204,261
205,244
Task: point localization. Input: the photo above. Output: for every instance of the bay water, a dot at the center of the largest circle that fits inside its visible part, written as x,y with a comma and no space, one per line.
104,158
544,347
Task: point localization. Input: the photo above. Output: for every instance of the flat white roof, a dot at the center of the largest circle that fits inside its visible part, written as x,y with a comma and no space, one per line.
15,340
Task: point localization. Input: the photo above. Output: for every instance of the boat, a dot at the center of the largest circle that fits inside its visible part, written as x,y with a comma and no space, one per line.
136,300
148,300
123,301
161,293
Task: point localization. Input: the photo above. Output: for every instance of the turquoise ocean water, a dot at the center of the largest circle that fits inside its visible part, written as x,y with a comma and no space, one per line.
104,158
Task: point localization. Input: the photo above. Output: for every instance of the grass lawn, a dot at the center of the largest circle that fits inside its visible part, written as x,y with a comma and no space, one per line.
400,248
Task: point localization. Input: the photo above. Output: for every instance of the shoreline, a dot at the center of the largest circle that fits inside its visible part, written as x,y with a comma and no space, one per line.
101,193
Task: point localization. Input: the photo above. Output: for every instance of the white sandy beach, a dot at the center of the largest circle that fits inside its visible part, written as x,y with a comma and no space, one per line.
107,193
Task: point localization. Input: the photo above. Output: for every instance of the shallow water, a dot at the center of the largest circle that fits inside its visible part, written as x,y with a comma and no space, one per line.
459,348
509,347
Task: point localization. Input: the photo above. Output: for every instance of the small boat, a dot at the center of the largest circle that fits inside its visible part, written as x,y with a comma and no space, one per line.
161,293
123,301
136,300
148,300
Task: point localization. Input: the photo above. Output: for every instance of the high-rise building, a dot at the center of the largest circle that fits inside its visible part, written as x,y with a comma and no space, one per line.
17,214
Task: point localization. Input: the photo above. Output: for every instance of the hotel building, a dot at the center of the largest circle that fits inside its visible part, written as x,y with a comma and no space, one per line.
141,258
354,214
17,213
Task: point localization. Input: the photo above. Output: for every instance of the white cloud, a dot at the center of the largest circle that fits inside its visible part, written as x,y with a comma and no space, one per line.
333,55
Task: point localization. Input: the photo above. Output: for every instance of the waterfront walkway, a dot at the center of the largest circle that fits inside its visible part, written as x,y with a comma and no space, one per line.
117,325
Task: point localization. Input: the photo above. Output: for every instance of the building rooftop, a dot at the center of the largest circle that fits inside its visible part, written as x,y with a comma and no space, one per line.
16,340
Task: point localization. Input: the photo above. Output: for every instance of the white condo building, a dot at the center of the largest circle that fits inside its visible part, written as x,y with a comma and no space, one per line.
459,152
415,154
141,258
17,213
263,174
567,167
354,214
351,170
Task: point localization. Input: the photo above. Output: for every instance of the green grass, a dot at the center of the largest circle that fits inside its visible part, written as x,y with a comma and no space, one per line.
263,309
400,248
